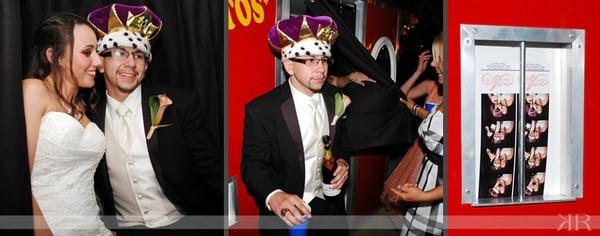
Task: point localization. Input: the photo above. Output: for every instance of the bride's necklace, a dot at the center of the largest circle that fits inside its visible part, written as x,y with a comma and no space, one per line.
69,111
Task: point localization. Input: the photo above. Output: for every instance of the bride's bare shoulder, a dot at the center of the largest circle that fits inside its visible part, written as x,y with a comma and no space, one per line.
35,94
34,84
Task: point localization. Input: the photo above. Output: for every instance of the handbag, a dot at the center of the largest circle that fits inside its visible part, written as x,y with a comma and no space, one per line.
405,172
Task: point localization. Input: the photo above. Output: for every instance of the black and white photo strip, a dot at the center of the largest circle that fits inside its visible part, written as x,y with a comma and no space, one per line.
536,142
498,139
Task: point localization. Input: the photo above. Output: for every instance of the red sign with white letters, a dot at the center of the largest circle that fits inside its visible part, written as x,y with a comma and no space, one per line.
251,72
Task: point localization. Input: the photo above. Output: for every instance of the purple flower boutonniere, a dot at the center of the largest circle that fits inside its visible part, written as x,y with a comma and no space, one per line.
158,105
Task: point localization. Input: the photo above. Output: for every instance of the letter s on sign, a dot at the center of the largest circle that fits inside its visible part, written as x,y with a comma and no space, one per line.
246,11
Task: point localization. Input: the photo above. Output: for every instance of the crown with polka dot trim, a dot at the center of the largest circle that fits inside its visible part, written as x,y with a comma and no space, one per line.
303,36
120,25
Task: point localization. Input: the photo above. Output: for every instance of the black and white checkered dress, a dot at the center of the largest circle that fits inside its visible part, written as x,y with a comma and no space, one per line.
426,218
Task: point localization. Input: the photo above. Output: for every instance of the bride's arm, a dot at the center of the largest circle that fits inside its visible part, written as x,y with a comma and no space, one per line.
34,93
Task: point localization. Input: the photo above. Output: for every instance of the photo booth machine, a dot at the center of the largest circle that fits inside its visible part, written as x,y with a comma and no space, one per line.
522,114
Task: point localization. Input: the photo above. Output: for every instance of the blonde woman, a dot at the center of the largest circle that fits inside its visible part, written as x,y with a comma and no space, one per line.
415,186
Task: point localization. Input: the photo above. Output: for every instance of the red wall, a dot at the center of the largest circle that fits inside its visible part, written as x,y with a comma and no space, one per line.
380,22
533,13
251,70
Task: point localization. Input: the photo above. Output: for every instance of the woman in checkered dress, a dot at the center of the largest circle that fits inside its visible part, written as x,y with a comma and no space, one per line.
424,197
407,169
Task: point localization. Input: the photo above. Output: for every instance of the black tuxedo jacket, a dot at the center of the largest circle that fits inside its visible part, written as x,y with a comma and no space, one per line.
186,161
272,151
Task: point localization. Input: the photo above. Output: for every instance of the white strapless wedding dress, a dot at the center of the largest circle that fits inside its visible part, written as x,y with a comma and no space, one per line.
62,177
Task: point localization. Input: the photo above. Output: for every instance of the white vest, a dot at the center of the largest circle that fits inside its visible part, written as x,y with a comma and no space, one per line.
138,197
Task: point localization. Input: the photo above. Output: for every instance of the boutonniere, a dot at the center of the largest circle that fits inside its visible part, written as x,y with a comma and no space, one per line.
341,103
158,105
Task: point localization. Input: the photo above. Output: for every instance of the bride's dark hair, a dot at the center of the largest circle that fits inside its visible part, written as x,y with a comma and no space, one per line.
56,33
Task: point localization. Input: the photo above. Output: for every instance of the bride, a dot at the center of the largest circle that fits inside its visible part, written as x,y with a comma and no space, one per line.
63,146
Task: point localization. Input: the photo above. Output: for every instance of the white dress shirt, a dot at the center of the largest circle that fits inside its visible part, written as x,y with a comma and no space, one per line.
311,142
139,199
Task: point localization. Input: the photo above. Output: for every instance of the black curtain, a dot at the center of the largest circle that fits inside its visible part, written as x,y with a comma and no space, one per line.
188,53
376,118
15,196
348,48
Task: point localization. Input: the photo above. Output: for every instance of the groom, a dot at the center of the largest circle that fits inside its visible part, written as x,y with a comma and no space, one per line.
283,146
161,163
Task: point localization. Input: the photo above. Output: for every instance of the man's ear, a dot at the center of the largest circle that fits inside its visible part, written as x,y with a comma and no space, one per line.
288,66
101,68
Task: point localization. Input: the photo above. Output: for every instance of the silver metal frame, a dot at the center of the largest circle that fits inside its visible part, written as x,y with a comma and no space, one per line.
283,12
233,202
573,39
361,20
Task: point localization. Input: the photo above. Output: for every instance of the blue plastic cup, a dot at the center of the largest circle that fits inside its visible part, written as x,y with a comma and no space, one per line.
300,229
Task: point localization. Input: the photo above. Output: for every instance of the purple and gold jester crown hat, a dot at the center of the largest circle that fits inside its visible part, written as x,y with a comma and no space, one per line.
303,36
120,25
